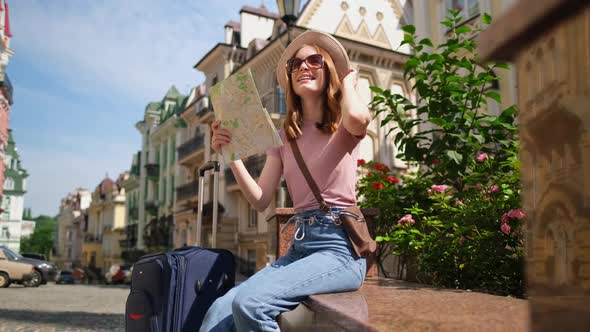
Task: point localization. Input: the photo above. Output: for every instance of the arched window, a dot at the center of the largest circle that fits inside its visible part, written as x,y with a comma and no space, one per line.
9,184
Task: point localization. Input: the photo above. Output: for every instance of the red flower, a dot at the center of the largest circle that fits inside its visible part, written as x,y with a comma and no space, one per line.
435,162
392,179
381,167
377,185
360,162
369,174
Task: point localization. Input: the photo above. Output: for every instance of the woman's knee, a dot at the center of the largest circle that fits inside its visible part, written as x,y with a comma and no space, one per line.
244,303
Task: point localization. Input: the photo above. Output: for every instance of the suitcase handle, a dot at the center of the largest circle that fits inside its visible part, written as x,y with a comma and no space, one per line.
213,164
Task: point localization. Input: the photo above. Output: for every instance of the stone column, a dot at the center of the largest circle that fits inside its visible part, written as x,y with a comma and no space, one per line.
549,41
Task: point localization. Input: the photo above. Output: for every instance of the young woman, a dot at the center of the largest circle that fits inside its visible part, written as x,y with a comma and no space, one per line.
327,119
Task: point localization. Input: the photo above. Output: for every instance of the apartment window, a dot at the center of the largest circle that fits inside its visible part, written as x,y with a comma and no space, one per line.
164,189
468,8
172,191
252,218
251,262
5,232
165,156
9,184
173,154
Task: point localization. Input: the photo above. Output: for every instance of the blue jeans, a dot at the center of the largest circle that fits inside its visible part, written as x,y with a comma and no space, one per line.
320,260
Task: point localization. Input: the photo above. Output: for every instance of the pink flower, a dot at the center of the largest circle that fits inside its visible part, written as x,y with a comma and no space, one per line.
458,202
441,188
504,218
505,228
377,185
482,157
392,179
360,162
406,219
478,186
518,214
515,234
494,188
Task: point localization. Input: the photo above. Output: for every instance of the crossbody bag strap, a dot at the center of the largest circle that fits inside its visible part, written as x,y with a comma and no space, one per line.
307,175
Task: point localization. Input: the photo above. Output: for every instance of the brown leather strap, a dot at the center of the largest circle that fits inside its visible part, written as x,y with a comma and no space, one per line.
307,175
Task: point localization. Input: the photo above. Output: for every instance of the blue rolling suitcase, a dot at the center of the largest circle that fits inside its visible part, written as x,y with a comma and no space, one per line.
172,291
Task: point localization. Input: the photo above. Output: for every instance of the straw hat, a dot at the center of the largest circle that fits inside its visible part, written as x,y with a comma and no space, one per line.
323,40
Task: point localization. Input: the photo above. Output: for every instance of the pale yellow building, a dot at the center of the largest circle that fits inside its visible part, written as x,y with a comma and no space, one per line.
106,225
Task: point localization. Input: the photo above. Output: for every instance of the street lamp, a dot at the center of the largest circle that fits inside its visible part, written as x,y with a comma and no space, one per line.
288,10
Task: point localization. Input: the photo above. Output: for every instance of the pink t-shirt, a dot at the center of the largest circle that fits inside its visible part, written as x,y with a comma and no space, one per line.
332,162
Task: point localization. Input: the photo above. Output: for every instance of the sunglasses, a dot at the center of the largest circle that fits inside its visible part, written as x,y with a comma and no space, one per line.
314,61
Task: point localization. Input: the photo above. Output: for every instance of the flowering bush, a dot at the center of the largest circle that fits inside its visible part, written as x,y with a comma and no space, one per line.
457,219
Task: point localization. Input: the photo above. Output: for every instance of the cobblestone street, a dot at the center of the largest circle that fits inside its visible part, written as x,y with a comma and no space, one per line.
62,308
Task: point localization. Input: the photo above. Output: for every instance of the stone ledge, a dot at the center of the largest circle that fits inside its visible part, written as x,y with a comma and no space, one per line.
388,304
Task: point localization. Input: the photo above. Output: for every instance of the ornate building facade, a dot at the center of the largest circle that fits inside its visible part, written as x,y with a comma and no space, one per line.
13,197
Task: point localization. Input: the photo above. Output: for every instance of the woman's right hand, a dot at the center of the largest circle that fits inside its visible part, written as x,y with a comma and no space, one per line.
219,136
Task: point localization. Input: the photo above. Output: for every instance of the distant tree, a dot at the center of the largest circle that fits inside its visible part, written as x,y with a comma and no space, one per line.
41,241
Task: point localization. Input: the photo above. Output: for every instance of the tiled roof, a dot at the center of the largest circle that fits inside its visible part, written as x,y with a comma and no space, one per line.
234,25
261,11
173,93
153,106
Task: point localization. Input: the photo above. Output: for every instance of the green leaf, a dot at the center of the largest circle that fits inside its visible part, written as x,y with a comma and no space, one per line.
494,95
409,29
502,65
455,156
376,89
508,112
426,42
463,29
486,18
478,137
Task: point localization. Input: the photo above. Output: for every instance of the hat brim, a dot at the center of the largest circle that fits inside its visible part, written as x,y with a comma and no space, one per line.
320,39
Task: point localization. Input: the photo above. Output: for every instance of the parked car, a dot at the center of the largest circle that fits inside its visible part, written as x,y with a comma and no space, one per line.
14,270
118,274
45,268
64,277
33,256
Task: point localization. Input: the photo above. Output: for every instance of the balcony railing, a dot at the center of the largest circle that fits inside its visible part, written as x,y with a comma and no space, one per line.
190,146
203,105
187,191
152,207
153,171
253,164
134,212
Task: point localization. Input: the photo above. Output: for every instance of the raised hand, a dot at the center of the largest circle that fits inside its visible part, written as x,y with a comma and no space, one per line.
219,136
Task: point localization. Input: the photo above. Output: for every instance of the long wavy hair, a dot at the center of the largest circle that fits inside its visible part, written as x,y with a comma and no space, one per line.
331,97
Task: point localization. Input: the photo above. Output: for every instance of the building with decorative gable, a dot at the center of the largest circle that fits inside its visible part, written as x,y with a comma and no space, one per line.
72,224
369,30
13,197
152,179
106,226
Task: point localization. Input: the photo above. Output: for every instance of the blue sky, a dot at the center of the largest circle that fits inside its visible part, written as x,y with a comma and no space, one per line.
83,72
